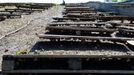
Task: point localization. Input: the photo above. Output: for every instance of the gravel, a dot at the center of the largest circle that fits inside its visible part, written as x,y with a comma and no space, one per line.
29,25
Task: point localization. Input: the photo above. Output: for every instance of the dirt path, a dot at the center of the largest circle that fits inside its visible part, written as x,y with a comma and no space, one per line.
26,38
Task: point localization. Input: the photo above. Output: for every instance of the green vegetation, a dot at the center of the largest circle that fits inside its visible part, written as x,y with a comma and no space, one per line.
21,52
119,0
114,0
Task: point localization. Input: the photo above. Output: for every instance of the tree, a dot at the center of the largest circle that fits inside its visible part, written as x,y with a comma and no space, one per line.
63,3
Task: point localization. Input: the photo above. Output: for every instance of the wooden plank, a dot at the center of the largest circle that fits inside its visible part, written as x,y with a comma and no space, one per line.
23,10
33,7
2,18
10,15
92,24
88,15
80,11
65,56
77,8
74,19
20,12
49,36
81,14
77,23
6,11
79,29
73,71
105,18
116,18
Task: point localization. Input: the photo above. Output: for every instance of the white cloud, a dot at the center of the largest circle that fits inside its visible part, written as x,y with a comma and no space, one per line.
49,1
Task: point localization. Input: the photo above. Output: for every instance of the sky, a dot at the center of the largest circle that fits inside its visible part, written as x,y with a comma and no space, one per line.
49,1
